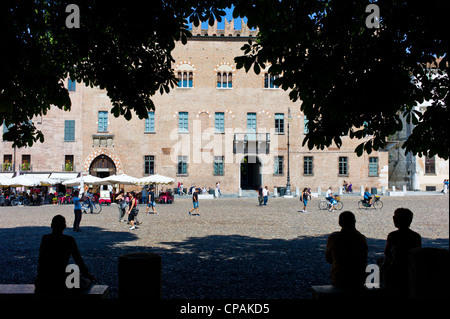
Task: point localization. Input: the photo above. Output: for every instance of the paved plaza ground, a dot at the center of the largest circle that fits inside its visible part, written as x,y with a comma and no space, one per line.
234,249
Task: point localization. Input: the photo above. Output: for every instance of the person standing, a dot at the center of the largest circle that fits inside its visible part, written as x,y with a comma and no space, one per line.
195,201
265,195
218,188
306,194
77,212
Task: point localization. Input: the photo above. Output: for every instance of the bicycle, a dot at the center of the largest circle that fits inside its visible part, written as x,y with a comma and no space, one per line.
326,204
377,203
20,201
92,207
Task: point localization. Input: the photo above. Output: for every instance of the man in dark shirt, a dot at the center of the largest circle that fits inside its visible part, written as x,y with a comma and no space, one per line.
195,201
398,245
346,251
151,201
54,254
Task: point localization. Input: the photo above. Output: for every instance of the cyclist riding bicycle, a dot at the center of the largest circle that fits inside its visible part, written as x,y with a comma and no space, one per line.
89,199
368,198
329,196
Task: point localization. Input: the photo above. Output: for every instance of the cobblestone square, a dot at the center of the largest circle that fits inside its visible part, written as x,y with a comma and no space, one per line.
234,249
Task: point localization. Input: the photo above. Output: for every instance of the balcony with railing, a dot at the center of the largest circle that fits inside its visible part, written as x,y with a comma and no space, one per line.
7,167
251,143
26,167
68,167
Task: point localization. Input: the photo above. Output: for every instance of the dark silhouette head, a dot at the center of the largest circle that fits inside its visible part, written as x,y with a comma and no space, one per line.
403,217
347,220
58,224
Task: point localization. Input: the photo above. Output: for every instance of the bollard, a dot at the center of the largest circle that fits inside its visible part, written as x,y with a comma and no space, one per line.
383,190
297,191
340,190
139,276
393,188
361,190
275,192
404,189
240,192
319,191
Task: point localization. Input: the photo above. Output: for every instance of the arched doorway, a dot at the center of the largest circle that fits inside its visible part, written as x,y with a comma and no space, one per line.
102,166
250,170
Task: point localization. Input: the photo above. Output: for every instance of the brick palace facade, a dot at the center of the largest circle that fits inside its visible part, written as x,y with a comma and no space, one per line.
219,124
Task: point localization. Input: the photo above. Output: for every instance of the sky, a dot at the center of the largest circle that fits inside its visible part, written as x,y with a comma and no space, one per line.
229,17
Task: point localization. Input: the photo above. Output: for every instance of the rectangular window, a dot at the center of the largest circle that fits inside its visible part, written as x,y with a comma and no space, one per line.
103,121
69,130
183,123
150,123
268,81
251,126
251,122
343,166
182,165
430,165
220,122
71,85
149,165
279,123
218,165
308,165
278,167
305,125
373,166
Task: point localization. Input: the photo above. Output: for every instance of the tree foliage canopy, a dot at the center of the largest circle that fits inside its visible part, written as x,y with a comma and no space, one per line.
352,80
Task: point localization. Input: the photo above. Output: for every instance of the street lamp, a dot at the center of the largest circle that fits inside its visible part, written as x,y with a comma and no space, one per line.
288,182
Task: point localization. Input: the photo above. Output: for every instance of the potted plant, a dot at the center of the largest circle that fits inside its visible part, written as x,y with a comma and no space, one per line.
69,166
6,167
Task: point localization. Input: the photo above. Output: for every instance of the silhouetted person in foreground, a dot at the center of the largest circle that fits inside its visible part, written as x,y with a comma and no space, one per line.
54,254
399,243
346,251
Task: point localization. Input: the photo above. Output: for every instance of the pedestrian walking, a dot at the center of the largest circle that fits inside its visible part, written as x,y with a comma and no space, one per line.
122,205
260,195
77,212
265,195
151,201
304,197
132,211
194,201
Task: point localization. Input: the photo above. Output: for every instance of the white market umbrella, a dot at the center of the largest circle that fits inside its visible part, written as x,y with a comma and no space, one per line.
88,179
21,180
155,179
120,179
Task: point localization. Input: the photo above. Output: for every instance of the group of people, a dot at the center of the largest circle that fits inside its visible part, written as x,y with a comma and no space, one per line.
347,251
204,190
263,195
